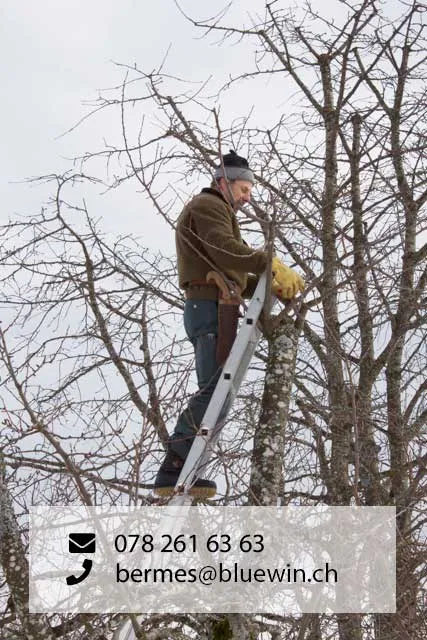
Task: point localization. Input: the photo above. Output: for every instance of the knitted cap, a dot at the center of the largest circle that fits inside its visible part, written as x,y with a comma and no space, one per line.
236,168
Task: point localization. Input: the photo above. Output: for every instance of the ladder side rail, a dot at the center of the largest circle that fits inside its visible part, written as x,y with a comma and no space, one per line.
227,382
247,333
216,430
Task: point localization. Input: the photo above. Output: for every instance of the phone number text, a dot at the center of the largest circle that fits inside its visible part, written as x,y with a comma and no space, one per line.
216,543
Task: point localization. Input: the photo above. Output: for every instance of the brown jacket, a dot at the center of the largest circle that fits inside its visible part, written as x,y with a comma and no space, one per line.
208,237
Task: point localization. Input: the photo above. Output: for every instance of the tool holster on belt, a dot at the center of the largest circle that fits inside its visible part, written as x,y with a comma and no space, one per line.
228,314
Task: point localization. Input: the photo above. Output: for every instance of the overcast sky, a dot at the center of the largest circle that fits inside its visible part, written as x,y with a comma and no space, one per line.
57,54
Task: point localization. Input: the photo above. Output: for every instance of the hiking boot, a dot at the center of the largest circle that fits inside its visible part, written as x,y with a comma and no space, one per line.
168,474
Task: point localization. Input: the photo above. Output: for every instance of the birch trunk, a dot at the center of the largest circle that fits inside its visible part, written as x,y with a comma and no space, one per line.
269,442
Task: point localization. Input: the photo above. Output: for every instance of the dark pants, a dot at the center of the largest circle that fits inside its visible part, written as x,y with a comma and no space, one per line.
201,326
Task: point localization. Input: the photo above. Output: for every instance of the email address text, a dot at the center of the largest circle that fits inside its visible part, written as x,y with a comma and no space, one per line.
223,573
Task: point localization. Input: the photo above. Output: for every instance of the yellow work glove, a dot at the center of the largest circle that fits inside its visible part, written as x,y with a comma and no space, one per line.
286,283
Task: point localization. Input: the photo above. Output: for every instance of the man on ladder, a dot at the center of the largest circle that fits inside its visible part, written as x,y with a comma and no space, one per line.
214,268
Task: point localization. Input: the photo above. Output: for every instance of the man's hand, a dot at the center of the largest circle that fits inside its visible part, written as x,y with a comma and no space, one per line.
286,283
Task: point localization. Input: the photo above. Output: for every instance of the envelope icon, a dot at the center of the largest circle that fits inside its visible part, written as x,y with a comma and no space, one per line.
81,543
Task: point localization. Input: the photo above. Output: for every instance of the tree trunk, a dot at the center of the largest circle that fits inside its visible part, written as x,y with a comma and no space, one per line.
269,441
15,567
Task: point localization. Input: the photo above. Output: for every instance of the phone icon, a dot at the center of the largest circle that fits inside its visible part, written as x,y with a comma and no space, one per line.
87,566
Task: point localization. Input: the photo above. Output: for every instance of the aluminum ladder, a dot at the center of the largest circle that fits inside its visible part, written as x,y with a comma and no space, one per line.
227,387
